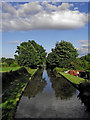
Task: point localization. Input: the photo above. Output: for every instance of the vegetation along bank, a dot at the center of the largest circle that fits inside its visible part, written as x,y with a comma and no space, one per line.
17,82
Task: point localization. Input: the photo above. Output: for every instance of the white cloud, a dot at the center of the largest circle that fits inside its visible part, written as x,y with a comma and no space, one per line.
84,41
7,8
33,15
14,42
76,8
83,48
29,9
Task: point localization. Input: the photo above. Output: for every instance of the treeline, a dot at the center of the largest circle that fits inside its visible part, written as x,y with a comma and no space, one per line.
8,62
64,55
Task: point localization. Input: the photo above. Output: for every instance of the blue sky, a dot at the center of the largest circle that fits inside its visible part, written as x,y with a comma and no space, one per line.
46,23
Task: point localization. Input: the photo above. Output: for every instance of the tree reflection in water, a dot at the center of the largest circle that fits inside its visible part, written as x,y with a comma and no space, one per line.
36,85
63,89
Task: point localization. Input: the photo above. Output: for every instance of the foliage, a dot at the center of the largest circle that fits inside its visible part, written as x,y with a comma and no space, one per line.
3,59
63,53
82,63
30,54
78,64
88,74
13,93
14,64
5,64
86,57
60,69
9,61
40,51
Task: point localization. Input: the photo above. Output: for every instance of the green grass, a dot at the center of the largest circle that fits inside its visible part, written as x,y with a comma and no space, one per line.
31,71
7,69
72,78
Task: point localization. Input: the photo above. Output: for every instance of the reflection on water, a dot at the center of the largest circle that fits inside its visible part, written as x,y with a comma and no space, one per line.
49,97
62,88
35,86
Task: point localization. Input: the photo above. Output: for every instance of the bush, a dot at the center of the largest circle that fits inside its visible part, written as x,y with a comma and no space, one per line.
14,65
88,74
5,65
0,64
60,69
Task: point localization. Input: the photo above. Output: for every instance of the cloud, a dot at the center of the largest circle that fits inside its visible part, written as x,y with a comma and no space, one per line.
14,42
35,15
83,48
76,8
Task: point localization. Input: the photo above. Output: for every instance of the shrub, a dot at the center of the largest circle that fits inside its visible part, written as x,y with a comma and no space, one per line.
5,65
14,65
88,74
60,69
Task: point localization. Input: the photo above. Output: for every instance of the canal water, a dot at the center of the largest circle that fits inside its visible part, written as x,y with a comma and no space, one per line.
49,97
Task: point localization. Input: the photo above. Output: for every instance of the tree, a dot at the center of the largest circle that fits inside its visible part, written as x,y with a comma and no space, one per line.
28,55
3,59
63,53
40,51
9,61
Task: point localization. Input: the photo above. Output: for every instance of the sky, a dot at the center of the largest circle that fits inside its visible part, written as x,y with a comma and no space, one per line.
46,23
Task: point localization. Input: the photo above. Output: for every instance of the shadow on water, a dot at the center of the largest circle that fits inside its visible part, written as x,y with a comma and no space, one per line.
36,85
49,97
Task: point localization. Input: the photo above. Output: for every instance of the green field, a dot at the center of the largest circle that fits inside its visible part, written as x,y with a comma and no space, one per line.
7,69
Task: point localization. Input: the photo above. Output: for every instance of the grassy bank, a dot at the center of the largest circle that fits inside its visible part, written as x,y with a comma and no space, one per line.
7,69
72,78
12,96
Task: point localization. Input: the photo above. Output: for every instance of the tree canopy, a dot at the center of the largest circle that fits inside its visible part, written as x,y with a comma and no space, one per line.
80,63
7,61
63,53
30,54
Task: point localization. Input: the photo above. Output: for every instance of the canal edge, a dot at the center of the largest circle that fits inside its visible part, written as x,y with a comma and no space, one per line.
22,91
75,85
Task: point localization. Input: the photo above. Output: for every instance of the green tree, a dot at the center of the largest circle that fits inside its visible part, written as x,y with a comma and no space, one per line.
3,59
63,53
82,63
28,54
9,61
40,51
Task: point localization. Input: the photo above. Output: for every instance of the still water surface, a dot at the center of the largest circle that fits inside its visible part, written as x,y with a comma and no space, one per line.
49,97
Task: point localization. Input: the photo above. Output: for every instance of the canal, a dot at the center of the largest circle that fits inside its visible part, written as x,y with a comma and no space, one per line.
49,97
